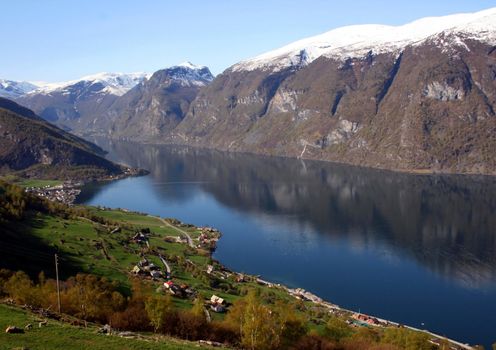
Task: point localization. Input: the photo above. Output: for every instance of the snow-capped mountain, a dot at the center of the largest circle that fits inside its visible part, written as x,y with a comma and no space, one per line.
189,74
95,103
420,97
108,83
64,103
154,107
14,89
358,40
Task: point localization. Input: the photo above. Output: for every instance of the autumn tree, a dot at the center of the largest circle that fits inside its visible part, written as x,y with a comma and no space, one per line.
92,298
198,308
20,287
256,322
157,307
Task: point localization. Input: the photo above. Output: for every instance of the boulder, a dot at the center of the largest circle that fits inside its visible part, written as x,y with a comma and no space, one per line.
14,330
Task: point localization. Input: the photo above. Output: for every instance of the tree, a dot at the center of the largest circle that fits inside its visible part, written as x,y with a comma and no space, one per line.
256,322
92,298
20,288
157,307
198,309
292,326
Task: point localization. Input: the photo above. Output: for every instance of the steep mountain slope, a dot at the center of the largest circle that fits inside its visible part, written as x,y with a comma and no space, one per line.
155,106
419,97
74,103
35,147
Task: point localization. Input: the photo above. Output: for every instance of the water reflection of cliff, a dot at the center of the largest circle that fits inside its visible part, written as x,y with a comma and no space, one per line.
446,222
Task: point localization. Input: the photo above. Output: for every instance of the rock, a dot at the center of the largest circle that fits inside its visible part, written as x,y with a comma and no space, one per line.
210,343
14,330
105,329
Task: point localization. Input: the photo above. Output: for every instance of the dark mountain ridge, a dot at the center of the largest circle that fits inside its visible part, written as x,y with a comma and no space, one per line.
30,146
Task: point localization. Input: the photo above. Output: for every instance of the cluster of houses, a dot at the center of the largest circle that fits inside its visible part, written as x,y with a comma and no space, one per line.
208,238
176,239
216,304
179,290
65,193
302,294
147,268
224,273
368,320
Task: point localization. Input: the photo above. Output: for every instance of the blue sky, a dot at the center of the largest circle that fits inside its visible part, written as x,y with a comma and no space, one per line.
55,40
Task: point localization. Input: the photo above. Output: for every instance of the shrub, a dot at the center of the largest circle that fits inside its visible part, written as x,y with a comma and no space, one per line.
314,342
134,318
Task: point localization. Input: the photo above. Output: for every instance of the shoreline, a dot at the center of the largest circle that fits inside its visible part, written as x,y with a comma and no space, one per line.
298,293
68,191
304,295
414,172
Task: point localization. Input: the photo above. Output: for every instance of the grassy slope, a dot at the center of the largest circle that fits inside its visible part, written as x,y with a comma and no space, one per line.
78,243
75,240
57,335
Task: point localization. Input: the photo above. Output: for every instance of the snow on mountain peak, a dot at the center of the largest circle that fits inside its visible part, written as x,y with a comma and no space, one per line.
113,83
358,40
190,65
189,74
14,89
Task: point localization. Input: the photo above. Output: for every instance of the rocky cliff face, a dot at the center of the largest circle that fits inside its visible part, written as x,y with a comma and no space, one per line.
154,107
419,104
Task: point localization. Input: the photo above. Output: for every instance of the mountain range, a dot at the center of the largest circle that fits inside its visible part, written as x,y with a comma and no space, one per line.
418,97
67,104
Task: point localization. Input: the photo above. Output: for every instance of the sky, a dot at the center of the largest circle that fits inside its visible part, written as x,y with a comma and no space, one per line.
58,40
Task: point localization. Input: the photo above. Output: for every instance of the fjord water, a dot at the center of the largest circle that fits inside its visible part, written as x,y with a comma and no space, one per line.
415,249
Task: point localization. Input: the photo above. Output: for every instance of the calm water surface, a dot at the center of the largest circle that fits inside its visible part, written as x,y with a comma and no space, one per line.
419,250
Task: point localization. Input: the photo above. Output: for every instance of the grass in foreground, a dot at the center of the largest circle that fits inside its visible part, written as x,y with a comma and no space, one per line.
57,335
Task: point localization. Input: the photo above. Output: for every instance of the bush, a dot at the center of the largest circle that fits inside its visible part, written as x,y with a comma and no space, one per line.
191,327
223,333
314,342
20,288
406,339
134,318
337,329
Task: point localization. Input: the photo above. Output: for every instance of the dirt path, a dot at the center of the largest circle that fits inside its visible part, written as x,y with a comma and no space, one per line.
188,237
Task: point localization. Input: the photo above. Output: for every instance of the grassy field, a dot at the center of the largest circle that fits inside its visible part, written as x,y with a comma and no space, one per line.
24,182
38,183
57,335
